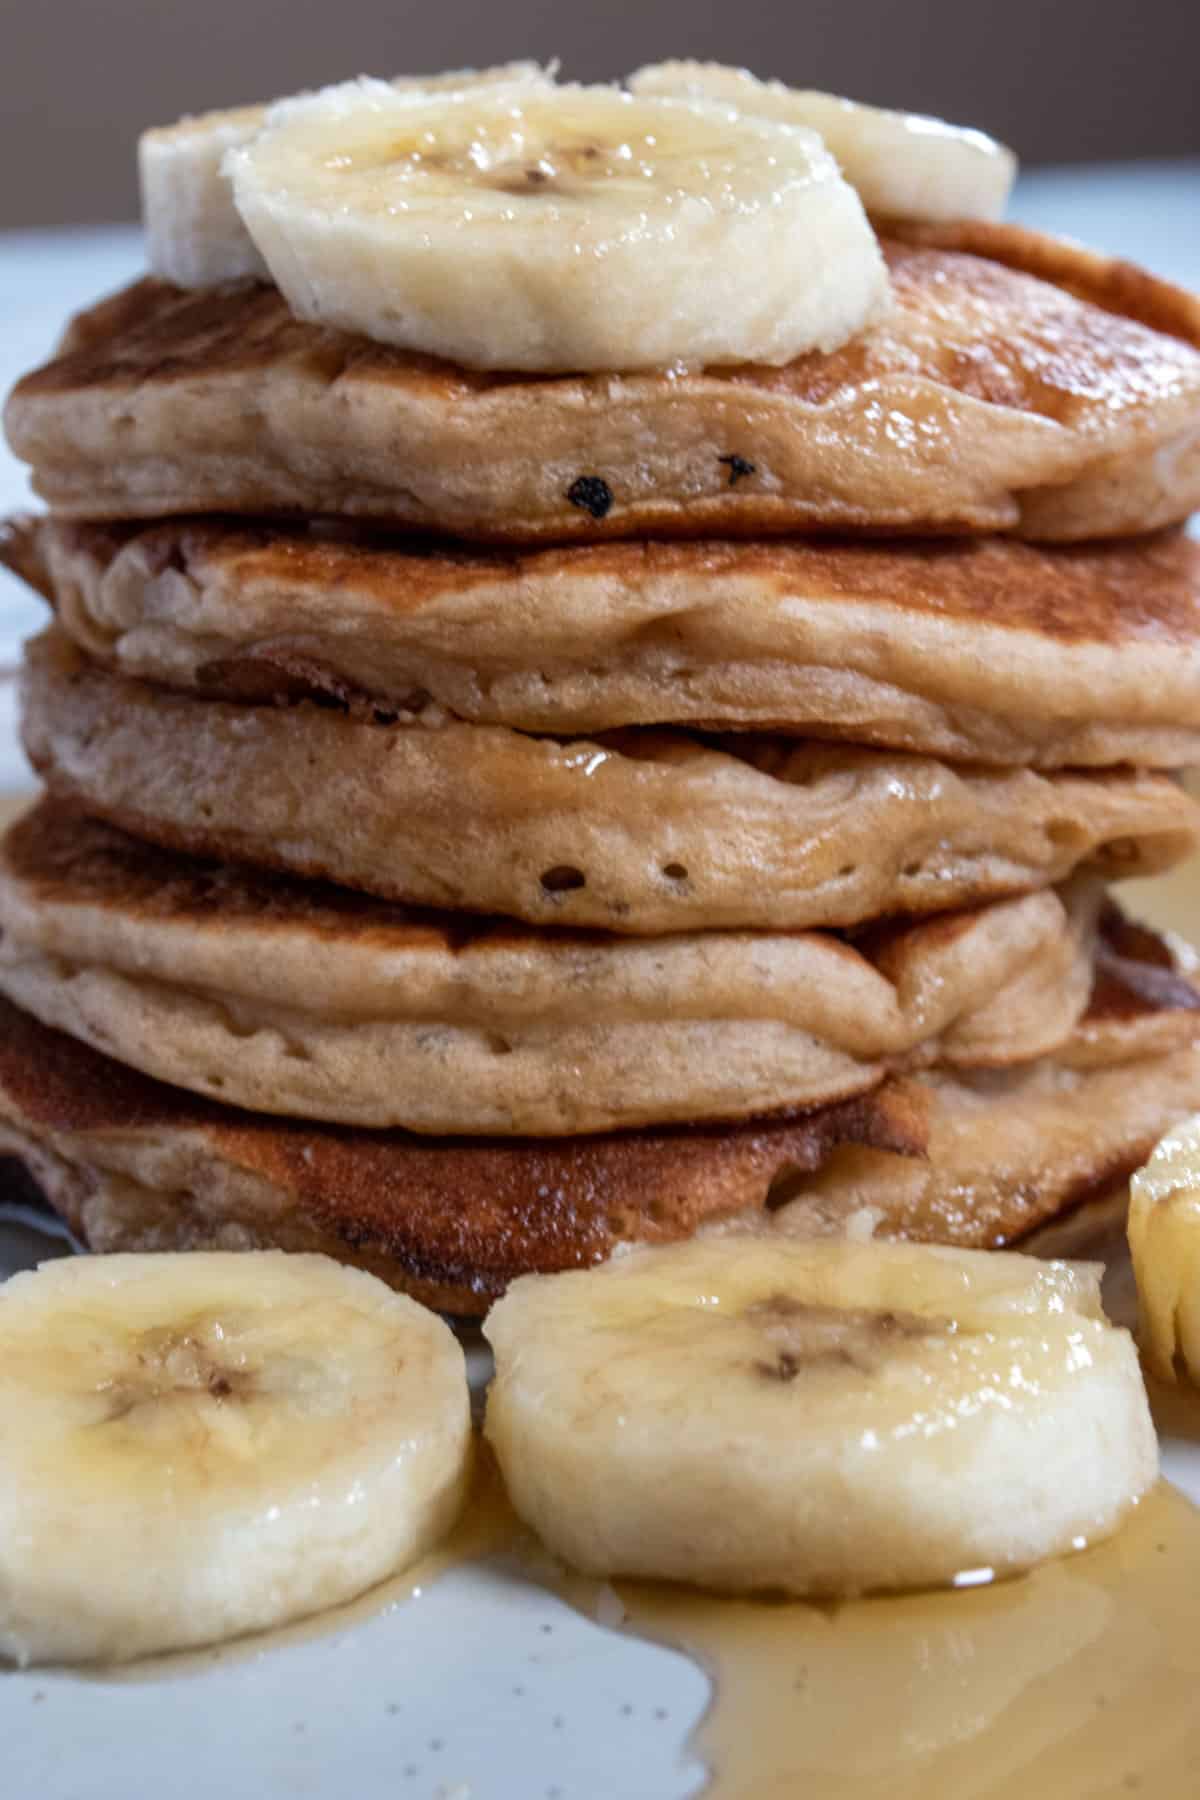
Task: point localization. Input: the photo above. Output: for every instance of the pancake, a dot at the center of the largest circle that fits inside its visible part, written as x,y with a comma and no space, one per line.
134,1165
984,650
1016,1154
318,1003
1008,1152
639,832
1140,981
989,399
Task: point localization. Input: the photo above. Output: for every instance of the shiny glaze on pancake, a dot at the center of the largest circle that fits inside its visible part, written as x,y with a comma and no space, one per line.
151,332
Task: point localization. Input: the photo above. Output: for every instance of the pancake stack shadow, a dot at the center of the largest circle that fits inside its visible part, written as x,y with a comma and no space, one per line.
492,819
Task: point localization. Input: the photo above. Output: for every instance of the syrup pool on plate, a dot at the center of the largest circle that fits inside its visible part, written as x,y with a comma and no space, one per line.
1080,1681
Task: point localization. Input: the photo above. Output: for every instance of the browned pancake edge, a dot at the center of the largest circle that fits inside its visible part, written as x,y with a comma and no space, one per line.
451,1221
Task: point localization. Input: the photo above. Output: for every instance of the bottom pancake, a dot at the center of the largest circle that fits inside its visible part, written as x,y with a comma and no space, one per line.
132,1164
1009,1152
1013,1152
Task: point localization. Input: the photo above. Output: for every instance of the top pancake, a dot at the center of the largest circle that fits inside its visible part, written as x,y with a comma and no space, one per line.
1060,404
987,650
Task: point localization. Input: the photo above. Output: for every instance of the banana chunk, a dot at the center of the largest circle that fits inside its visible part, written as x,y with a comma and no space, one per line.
821,1417
197,1446
194,236
573,229
194,233
903,165
1164,1239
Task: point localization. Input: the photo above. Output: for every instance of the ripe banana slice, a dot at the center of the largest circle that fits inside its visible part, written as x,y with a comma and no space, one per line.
573,229
822,1417
200,1445
1164,1238
903,165
194,234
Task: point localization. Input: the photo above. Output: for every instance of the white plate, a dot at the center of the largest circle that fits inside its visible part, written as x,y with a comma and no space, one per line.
484,1687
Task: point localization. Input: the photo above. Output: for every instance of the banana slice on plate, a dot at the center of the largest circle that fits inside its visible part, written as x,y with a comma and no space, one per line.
578,228
196,1446
194,233
822,1417
1164,1239
903,165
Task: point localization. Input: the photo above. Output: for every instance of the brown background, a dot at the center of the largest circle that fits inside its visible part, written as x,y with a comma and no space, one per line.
1068,81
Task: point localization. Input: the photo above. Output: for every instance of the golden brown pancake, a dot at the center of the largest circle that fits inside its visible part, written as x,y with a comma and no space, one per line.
978,1161
641,832
989,399
1015,1153
1008,1151
133,1164
988,649
318,1003
1109,282
1098,279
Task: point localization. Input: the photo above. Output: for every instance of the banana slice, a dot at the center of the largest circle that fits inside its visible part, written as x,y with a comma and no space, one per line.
823,1417
1164,1238
903,165
574,229
201,1445
194,234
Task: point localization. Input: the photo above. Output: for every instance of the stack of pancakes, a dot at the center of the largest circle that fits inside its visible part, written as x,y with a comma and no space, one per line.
490,818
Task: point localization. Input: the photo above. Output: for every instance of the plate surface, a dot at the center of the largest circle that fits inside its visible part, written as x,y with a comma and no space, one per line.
483,1687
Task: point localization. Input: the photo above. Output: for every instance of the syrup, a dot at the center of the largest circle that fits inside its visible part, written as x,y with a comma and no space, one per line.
1078,1680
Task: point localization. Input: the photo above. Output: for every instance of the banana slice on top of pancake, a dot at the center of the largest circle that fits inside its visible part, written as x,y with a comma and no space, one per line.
194,233
200,1445
819,1417
579,228
1164,1239
903,165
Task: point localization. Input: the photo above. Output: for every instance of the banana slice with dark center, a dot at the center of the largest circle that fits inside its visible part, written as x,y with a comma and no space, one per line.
569,229
816,1417
197,1446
